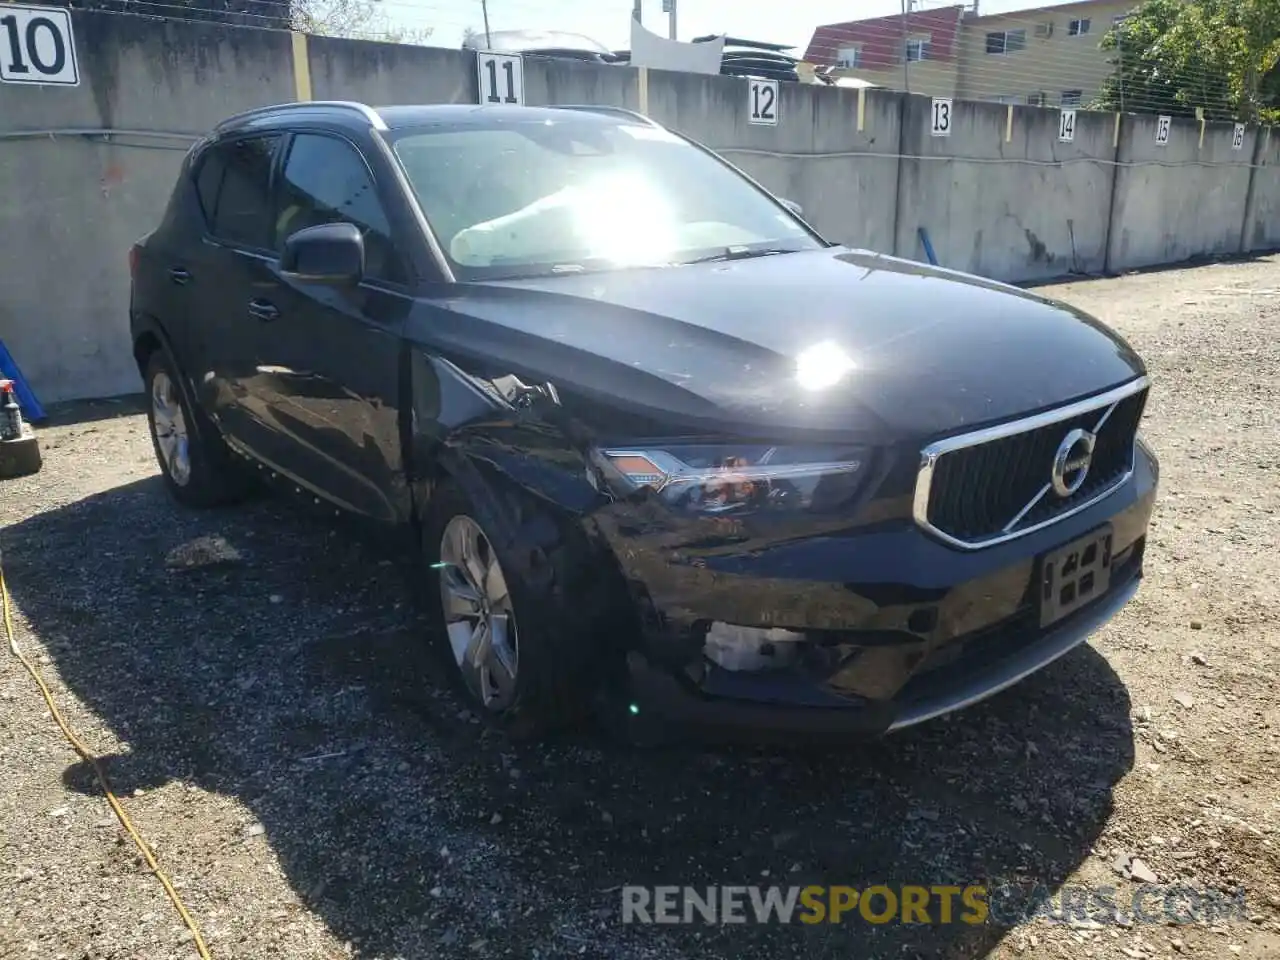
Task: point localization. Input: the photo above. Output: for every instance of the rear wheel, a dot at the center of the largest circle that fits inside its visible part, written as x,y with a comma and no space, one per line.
196,465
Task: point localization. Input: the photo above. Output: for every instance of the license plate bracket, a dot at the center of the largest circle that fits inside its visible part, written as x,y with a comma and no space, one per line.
1074,575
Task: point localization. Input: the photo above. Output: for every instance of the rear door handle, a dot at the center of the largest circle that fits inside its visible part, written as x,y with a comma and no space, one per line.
180,276
263,310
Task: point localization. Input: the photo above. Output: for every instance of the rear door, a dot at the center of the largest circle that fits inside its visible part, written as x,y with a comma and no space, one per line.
223,275
328,358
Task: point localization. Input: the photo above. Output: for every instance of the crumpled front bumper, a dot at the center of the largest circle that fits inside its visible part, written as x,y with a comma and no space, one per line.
660,697
920,629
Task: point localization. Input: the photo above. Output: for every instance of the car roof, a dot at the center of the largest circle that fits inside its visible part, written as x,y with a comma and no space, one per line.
484,114
408,116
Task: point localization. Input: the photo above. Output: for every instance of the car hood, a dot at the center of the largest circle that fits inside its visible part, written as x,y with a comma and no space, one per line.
932,351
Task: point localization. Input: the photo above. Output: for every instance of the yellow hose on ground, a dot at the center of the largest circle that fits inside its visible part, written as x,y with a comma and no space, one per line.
80,748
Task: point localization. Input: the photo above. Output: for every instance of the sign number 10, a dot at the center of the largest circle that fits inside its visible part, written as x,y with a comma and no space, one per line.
36,46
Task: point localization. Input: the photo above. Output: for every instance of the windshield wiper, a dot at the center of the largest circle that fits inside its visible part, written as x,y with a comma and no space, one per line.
571,268
739,253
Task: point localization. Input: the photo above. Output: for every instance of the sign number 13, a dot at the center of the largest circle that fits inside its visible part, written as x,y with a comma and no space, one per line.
941,117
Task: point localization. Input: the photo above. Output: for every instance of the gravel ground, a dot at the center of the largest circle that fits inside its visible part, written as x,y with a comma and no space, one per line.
256,681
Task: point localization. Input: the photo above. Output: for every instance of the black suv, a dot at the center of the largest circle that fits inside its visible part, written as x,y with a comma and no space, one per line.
668,453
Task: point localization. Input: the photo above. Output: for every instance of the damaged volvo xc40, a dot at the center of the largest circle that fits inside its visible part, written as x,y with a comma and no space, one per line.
666,451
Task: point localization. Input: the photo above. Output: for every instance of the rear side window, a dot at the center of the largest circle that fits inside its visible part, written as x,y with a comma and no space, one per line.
233,182
326,180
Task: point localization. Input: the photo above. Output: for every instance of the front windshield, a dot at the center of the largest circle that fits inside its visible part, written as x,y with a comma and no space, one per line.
536,197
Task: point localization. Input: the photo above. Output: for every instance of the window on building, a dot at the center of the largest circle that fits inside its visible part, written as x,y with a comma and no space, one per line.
917,49
1007,98
1078,28
1071,98
1036,99
325,180
1006,41
849,57
233,183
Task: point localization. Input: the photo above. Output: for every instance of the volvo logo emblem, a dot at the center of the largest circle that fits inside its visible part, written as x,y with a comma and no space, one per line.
1071,462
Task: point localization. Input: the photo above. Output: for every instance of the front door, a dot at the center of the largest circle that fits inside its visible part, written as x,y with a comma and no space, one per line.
328,357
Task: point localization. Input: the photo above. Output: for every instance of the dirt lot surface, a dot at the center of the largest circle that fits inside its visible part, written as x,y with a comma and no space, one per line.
257,682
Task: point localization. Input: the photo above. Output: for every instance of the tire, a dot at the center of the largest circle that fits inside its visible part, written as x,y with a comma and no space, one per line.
194,460
555,658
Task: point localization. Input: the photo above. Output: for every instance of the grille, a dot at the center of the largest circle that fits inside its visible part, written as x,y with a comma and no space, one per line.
975,491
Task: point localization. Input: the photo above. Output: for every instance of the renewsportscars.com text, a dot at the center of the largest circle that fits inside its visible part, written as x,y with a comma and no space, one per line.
972,904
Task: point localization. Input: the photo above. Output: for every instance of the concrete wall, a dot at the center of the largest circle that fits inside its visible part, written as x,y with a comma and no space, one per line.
843,178
1179,200
1022,208
548,82
72,206
1262,223
1007,202
386,74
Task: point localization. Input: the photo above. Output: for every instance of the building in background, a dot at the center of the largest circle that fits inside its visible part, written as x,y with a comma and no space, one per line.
1045,56
920,49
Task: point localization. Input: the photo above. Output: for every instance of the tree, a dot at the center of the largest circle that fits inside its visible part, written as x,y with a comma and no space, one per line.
273,14
352,18
1172,56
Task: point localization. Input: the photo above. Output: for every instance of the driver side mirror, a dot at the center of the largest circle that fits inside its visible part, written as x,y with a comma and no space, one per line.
792,206
331,253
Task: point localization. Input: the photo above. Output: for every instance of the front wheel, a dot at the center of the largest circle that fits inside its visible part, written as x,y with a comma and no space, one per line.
479,614
194,461
517,658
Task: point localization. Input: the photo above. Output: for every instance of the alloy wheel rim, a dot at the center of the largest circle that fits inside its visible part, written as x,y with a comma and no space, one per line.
171,429
478,614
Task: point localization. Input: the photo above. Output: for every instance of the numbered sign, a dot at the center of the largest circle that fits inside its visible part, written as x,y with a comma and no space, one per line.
1162,130
501,77
762,102
36,46
1067,126
941,117
1237,137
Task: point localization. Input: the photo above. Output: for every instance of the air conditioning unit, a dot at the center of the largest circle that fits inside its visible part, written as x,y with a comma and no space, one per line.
1044,30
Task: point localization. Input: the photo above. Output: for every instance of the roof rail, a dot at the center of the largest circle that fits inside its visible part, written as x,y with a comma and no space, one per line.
365,111
604,108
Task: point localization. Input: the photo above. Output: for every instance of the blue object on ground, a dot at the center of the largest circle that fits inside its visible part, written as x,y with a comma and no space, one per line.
928,247
31,409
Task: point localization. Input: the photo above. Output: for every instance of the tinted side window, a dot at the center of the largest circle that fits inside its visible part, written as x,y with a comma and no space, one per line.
234,185
209,182
326,180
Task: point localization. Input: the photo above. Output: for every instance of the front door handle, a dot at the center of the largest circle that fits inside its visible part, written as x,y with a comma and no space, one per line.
263,310
180,276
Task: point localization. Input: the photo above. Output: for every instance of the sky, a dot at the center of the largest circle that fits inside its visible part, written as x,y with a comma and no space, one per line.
608,21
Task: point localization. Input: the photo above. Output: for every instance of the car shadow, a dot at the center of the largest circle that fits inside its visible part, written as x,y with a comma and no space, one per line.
260,654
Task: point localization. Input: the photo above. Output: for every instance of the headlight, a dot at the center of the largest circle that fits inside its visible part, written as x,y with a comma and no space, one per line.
733,479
